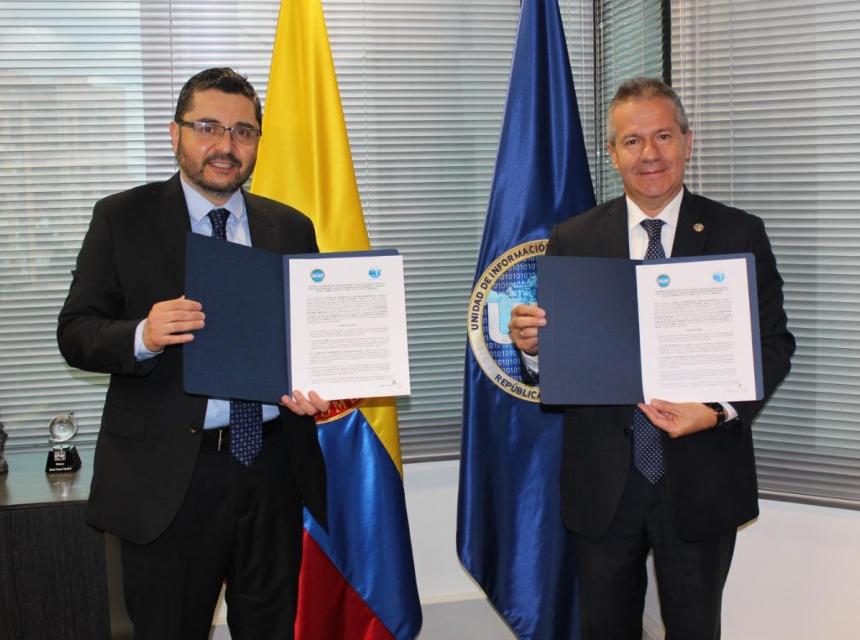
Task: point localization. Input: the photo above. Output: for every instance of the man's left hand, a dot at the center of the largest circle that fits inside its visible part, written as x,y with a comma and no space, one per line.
302,406
679,418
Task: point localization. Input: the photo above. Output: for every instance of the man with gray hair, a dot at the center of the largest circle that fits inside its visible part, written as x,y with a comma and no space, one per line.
673,478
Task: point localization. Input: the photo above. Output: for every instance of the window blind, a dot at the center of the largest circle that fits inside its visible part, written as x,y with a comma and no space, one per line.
629,44
88,91
423,90
773,91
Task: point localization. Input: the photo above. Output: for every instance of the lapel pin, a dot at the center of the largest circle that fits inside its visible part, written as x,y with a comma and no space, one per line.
698,227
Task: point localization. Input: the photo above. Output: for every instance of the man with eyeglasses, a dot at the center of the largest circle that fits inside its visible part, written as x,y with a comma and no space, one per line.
201,491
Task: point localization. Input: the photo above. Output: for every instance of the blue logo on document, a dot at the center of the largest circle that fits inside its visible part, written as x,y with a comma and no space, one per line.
317,275
375,273
720,277
663,281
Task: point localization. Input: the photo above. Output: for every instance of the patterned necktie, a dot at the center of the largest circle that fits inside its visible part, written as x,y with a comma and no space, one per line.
246,418
647,451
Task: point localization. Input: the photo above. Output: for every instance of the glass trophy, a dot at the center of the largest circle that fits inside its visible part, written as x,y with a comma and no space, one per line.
63,457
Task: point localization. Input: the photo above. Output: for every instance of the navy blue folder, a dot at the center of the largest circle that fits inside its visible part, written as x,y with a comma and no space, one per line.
589,350
243,352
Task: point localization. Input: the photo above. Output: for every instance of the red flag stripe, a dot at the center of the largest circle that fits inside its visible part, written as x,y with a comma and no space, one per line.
329,592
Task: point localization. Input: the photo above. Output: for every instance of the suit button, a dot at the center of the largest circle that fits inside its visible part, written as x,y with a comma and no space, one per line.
627,431
195,428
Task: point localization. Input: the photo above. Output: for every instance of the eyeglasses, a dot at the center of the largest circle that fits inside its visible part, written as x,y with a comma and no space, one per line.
213,132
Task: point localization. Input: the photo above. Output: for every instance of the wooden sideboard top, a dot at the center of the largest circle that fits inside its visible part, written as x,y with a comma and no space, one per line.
27,485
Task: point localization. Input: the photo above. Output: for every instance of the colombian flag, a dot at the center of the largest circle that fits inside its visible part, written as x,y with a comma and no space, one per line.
357,578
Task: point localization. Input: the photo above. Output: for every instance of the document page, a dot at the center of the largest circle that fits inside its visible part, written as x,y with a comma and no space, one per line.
696,338
347,318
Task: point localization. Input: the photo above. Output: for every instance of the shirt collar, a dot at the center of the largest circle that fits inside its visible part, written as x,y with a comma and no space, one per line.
669,214
199,207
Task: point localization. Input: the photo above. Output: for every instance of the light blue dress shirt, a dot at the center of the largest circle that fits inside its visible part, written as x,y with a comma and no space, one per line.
238,231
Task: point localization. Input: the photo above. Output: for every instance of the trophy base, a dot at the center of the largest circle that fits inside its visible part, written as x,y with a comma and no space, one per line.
63,460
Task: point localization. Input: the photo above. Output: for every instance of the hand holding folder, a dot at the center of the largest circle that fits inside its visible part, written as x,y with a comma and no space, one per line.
622,331
273,323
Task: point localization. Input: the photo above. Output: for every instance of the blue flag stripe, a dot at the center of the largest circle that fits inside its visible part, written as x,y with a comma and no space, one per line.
367,539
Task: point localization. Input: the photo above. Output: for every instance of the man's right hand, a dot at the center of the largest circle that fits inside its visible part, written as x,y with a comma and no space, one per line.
523,327
169,322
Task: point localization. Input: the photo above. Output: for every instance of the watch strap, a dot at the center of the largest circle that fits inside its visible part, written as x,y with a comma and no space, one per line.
720,410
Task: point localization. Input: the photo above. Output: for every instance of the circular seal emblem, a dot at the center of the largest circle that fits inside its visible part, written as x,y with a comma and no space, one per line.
509,280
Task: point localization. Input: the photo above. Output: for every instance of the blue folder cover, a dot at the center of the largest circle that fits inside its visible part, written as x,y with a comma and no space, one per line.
243,350
589,350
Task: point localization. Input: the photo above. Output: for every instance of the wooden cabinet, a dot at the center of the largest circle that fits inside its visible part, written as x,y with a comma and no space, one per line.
53,577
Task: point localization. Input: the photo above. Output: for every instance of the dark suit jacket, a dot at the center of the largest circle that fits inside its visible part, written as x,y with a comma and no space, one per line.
710,476
132,257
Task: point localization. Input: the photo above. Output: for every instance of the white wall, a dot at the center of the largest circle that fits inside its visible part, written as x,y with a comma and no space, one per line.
795,575
431,501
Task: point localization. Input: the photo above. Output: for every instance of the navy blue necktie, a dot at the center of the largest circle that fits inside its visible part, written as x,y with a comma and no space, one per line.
246,418
647,451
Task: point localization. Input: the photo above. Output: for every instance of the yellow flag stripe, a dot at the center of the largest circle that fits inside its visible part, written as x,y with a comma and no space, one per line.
304,157
381,414
305,160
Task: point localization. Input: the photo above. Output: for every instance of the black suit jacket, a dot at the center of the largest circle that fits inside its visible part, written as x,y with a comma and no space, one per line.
710,476
132,257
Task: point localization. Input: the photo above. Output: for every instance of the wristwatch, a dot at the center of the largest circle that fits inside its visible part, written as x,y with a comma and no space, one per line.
720,410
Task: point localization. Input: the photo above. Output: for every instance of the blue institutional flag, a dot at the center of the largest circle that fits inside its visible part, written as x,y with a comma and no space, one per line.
509,531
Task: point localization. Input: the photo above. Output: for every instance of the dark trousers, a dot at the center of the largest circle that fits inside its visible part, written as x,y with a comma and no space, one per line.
690,575
238,525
